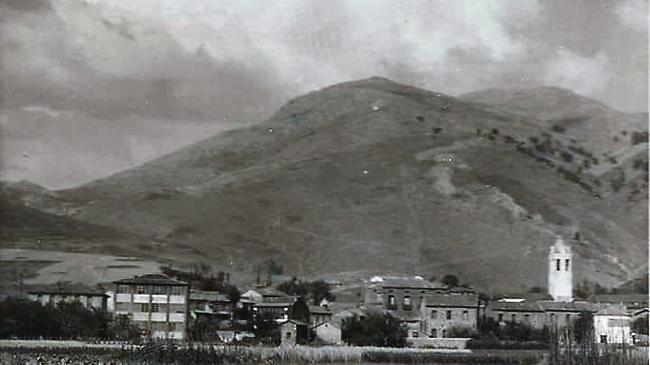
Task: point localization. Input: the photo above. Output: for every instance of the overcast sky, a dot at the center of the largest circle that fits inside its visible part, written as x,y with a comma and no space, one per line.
92,87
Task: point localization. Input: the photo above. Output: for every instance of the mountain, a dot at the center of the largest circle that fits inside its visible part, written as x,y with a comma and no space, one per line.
372,175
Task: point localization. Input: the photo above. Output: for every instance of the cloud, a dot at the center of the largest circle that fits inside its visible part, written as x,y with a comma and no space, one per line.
634,14
146,68
584,75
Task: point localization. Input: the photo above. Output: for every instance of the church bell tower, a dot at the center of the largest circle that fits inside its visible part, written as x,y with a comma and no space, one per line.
560,272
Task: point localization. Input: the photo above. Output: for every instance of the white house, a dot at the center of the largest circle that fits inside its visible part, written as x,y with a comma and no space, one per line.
612,325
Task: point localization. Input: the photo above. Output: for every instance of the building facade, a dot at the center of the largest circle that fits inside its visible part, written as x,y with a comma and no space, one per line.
155,303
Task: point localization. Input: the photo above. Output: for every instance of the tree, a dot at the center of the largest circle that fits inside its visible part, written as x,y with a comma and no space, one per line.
374,330
266,330
450,280
640,325
583,327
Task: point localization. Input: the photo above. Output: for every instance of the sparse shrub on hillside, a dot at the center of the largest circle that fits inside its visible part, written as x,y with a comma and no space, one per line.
419,118
640,163
618,182
586,163
436,130
494,131
508,139
558,128
478,132
615,138
450,280
624,133
612,160
566,156
638,137
533,140
569,175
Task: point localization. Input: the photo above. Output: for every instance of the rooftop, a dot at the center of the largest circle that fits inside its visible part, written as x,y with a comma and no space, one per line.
212,296
405,282
451,300
66,288
152,279
629,299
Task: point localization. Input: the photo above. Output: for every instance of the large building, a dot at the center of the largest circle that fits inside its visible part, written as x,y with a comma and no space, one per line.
89,297
155,303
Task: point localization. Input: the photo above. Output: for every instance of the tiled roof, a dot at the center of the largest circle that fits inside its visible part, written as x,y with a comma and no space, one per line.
274,304
549,305
524,306
68,289
629,299
612,311
531,297
452,300
152,279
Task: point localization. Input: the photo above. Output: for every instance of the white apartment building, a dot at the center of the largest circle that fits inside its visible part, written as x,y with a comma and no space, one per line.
155,303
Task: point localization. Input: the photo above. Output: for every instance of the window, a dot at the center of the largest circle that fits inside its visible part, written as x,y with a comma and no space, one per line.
603,338
513,317
566,265
444,333
527,318
416,334
465,315
552,317
391,301
568,318
140,289
406,303
123,289
500,317
434,333
154,307
144,307
448,315
557,265
434,314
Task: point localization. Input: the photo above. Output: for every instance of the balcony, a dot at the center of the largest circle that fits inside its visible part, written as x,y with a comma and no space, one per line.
159,298
177,317
176,299
158,317
123,298
140,298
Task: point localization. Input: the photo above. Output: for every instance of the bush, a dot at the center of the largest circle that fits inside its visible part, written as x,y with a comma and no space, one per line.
558,128
381,330
638,137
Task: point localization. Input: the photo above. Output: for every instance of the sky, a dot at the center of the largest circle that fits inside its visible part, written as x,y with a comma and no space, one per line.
92,87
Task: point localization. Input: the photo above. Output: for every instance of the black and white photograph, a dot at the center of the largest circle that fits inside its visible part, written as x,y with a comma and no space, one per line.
294,182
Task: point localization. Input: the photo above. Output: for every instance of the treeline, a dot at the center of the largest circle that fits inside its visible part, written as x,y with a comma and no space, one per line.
381,330
315,291
202,279
27,319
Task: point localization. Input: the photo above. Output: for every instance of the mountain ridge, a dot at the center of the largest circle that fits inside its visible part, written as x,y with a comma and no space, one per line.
371,175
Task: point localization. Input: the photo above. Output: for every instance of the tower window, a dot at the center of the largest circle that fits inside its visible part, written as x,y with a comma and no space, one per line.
566,265
557,265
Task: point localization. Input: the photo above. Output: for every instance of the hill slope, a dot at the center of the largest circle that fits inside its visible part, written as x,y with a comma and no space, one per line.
374,175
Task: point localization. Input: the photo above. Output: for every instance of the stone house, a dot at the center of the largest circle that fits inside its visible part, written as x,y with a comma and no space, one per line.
439,313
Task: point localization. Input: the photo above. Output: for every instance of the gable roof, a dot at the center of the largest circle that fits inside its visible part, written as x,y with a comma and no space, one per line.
612,311
211,296
65,288
524,306
637,300
452,300
152,279
317,309
569,306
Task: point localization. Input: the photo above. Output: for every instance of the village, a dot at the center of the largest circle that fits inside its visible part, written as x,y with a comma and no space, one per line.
283,311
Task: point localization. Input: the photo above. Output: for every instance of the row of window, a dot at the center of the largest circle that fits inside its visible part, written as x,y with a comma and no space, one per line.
406,302
151,289
449,314
513,317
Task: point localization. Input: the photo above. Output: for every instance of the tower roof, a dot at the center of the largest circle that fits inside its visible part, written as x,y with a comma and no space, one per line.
560,247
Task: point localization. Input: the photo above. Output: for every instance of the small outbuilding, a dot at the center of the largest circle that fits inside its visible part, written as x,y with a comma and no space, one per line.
612,325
